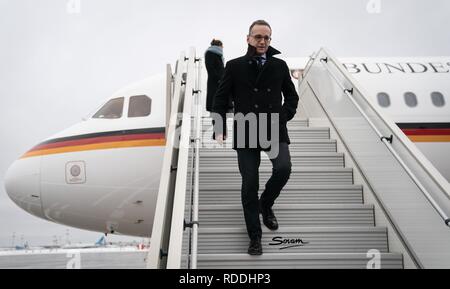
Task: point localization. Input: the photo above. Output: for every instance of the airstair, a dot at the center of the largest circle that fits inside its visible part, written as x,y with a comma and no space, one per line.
360,194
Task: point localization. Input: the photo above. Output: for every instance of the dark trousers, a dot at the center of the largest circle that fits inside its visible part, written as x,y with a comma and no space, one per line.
249,161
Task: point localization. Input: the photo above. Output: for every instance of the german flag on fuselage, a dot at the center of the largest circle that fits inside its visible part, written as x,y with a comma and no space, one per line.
100,141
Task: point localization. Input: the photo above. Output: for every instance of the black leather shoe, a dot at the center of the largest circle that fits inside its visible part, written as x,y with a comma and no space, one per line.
255,247
269,218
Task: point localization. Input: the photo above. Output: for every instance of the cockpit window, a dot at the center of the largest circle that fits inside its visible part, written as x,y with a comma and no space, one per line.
140,105
112,109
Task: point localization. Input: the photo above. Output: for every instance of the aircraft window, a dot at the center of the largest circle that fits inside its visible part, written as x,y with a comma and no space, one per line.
140,105
112,109
383,99
410,99
438,99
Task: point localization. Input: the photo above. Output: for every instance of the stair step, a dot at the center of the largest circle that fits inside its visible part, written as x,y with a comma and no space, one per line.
229,159
291,125
288,240
288,215
224,177
319,194
306,145
207,122
294,133
297,126
297,261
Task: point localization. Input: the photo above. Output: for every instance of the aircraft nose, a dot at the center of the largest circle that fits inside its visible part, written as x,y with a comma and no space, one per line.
22,184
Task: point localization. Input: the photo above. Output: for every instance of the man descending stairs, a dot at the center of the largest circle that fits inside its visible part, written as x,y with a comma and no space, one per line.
323,221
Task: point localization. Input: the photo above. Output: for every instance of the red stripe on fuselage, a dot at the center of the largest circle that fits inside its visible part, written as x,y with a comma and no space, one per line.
427,131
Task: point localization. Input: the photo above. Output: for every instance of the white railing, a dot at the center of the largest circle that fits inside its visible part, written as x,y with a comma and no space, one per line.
387,140
163,212
166,250
196,191
179,203
409,189
169,94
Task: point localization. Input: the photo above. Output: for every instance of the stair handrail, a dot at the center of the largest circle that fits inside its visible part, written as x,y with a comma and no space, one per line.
162,219
174,253
387,140
196,189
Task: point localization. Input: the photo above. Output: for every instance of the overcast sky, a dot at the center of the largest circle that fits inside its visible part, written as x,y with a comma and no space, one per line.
56,63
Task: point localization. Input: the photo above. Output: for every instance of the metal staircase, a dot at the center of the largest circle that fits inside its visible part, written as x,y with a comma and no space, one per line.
360,194
323,220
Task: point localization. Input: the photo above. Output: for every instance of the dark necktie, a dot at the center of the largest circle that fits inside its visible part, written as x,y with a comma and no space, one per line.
259,61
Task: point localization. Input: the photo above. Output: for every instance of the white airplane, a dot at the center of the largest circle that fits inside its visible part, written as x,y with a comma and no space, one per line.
101,243
102,174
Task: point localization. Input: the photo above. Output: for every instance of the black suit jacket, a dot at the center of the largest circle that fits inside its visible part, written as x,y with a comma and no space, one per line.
257,91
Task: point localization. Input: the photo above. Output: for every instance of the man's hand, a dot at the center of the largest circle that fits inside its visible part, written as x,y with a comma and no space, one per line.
220,138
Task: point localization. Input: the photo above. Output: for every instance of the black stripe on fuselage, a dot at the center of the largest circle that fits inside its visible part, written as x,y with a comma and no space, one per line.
424,125
107,133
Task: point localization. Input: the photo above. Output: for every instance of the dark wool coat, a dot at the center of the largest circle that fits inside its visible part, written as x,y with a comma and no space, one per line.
256,90
215,67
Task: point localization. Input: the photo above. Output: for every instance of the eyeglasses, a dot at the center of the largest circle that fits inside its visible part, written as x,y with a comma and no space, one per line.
260,37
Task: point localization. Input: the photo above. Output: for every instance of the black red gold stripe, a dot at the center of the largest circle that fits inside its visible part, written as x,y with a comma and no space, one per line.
102,140
426,132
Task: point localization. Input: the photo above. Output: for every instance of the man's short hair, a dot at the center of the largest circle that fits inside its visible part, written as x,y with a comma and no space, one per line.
258,22
216,42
